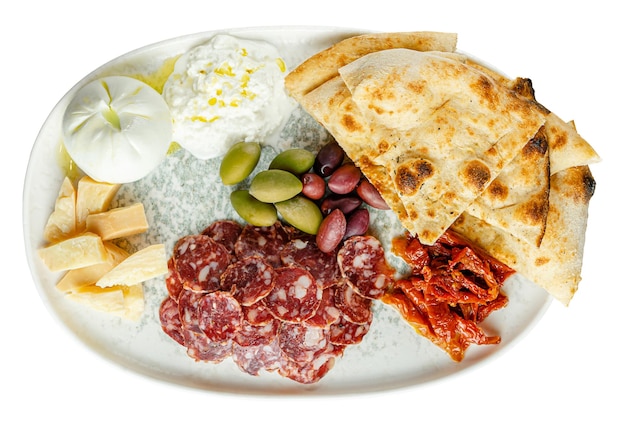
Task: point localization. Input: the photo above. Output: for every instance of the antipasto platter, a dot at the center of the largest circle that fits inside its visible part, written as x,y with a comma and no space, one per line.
158,182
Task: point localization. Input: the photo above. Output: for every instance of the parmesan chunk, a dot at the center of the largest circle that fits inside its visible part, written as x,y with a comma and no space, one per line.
62,222
76,279
133,301
73,253
109,300
123,301
118,222
92,197
145,264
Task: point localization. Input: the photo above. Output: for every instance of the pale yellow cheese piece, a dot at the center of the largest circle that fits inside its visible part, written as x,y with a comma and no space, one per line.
123,301
92,197
109,300
133,301
79,251
62,221
145,264
75,279
118,222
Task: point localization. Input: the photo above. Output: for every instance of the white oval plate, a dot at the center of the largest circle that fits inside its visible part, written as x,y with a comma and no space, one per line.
183,196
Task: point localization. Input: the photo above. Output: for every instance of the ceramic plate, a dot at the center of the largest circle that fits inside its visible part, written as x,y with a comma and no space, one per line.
182,196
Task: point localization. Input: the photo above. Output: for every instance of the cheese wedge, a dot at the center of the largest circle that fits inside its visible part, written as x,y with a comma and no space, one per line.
109,300
92,197
118,222
134,303
80,251
62,221
123,301
145,264
76,279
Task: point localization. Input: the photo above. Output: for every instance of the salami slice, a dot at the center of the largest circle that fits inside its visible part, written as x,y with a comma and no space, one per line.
225,232
362,261
295,296
201,348
170,320
301,342
252,359
220,316
345,332
172,280
250,334
355,307
200,261
327,312
263,241
311,371
257,314
305,253
188,309
248,279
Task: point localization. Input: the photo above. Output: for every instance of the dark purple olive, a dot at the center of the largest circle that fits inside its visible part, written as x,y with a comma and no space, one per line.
357,223
370,195
345,179
346,204
313,186
331,231
329,158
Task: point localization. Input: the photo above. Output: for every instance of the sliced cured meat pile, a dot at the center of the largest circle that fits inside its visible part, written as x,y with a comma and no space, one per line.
452,288
270,299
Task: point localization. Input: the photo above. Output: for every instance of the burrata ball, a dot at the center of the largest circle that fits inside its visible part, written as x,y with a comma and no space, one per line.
225,91
117,129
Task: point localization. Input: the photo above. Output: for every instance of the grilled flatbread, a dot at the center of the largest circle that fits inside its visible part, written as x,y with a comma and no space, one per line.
323,66
567,147
448,130
556,265
517,200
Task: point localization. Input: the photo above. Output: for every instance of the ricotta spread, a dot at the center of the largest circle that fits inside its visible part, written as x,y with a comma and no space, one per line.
117,129
226,91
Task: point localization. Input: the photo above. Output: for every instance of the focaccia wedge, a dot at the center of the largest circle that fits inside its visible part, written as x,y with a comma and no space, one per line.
324,65
567,147
442,130
517,201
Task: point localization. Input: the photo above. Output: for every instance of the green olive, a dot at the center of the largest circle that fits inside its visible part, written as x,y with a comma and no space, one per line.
295,160
239,162
301,213
274,185
251,210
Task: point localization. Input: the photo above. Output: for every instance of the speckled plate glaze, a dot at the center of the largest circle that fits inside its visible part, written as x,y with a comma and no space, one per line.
183,196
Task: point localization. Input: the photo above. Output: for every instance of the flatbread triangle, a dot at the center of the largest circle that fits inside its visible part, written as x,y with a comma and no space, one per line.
413,123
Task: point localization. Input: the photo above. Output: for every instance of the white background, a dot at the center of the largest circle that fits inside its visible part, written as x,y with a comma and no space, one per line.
570,366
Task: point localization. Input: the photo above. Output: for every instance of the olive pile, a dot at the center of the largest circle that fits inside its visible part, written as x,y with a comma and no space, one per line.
320,194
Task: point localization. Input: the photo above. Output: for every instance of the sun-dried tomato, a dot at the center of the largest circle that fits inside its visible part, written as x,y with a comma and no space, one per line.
452,287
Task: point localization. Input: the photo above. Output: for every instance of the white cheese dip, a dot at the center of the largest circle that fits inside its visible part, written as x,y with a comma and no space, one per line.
225,91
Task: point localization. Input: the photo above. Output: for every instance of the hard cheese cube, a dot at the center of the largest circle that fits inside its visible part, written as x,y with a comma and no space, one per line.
62,222
133,301
76,279
118,222
123,301
109,300
73,253
92,197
